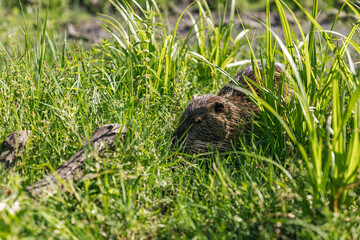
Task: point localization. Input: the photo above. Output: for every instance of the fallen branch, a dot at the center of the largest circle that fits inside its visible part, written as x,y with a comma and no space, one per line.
13,146
103,139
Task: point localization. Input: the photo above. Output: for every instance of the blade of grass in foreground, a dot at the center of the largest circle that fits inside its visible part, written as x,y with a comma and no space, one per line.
312,46
342,158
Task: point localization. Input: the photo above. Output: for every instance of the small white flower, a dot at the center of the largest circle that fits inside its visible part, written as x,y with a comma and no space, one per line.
2,206
14,208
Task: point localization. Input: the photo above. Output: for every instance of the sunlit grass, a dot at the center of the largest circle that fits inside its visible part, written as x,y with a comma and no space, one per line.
285,181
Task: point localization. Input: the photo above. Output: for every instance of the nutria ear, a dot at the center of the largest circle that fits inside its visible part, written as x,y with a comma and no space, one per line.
218,107
194,96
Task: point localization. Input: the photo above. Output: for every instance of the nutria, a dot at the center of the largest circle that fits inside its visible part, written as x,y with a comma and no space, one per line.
212,122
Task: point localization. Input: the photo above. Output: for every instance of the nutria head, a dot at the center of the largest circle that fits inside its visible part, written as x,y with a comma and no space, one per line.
212,122
209,122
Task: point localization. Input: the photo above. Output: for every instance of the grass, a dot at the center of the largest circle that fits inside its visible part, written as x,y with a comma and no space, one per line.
296,177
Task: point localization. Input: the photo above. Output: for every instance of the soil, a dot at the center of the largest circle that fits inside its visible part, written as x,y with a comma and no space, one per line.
92,31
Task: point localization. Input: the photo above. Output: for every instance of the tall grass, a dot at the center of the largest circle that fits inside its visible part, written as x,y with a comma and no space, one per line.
144,44
324,120
300,158
321,133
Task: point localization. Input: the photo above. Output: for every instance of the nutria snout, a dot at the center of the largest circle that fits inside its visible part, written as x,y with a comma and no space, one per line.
212,122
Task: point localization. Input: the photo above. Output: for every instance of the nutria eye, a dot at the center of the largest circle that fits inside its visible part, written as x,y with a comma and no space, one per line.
218,107
198,120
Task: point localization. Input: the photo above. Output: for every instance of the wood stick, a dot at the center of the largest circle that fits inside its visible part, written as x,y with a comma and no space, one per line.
103,139
13,146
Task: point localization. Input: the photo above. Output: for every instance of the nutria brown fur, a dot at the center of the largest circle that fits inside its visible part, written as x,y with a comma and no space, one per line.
212,122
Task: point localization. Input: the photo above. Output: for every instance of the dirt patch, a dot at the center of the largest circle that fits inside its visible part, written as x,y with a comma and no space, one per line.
92,30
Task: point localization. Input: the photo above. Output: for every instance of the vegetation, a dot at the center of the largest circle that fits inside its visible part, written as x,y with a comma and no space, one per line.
297,176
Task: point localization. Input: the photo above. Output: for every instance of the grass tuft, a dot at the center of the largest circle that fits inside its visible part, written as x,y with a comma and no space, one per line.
296,176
